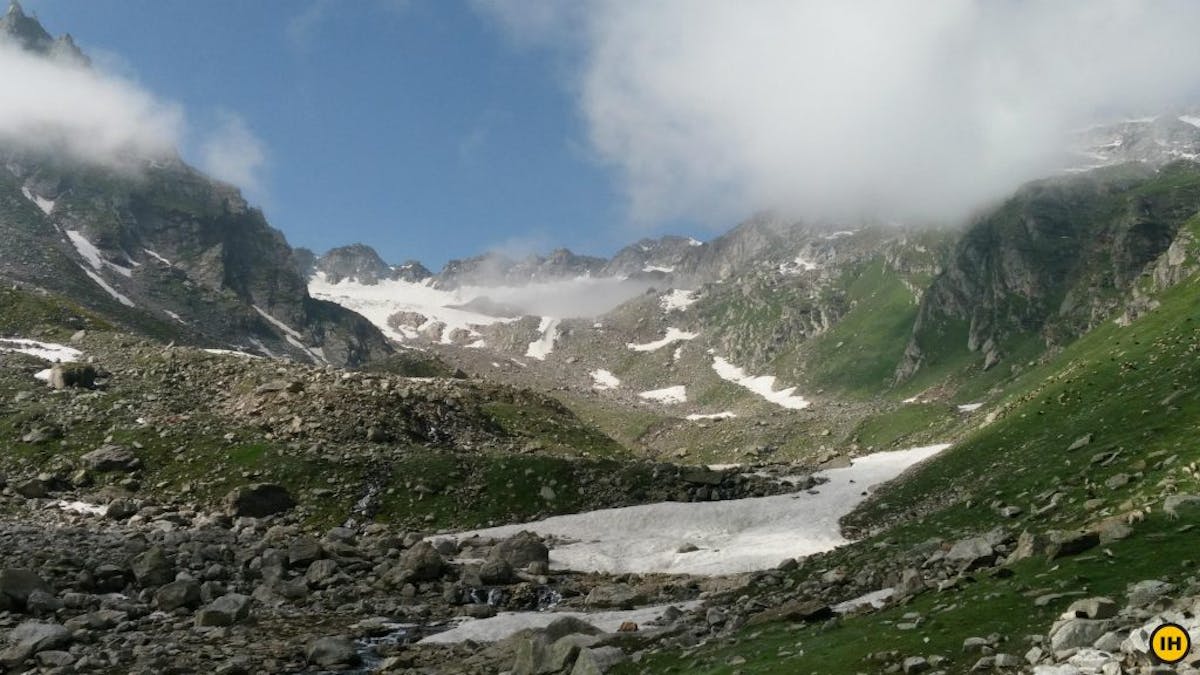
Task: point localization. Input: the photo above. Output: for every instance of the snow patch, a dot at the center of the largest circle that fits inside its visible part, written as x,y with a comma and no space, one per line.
658,268
695,417
540,348
232,352
694,242
49,351
293,337
673,335
602,379
1190,119
109,289
81,507
175,316
733,536
969,407
763,385
876,599
669,395
157,256
507,623
677,299
46,205
92,255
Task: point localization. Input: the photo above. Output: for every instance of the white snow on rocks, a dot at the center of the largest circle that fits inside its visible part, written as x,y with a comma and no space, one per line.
673,335
876,599
969,407
378,302
548,332
669,395
157,257
1190,119
695,417
293,336
107,288
603,379
83,508
232,352
658,268
55,353
507,623
92,254
46,205
733,536
763,385
677,299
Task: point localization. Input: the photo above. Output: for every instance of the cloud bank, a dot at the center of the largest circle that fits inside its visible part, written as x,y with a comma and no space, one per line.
93,115
711,110
50,104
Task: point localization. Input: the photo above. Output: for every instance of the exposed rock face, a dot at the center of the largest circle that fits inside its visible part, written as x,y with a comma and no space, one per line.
259,500
359,262
1052,262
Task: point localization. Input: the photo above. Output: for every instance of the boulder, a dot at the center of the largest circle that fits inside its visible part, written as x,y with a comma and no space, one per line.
1093,608
30,638
520,550
794,611
1063,544
304,551
320,573
971,553
151,568
1178,506
495,572
332,651
109,458
422,562
16,585
1076,633
258,500
172,596
224,611
618,596
72,375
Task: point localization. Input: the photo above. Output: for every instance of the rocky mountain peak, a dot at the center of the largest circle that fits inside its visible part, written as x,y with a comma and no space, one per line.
28,33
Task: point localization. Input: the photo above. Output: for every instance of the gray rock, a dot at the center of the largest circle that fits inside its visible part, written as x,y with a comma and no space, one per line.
332,651
42,603
258,500
1076,633
16,585
422,562
108,458
34,488
915,664
31,637
120,509
72,375
172,596
53,658
620,596
303,551
1063,544
151,568
1177,506
971,553
1146,592
1080,443
496,571
225,611
1093,608
520,550
320,573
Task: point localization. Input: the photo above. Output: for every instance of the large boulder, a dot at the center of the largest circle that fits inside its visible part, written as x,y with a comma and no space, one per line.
520,550
332,651
72,375
258,500
972,553
422,562
111,457
172,596
152,568
16,585
224,611
30,638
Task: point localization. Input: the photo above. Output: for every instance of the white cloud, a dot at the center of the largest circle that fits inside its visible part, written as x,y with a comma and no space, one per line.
232,153
88,114
98,116
711,109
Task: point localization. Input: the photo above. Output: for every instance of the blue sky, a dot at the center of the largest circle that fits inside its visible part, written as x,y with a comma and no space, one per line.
417,127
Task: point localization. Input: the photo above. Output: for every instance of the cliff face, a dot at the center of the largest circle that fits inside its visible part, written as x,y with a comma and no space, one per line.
1053,261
